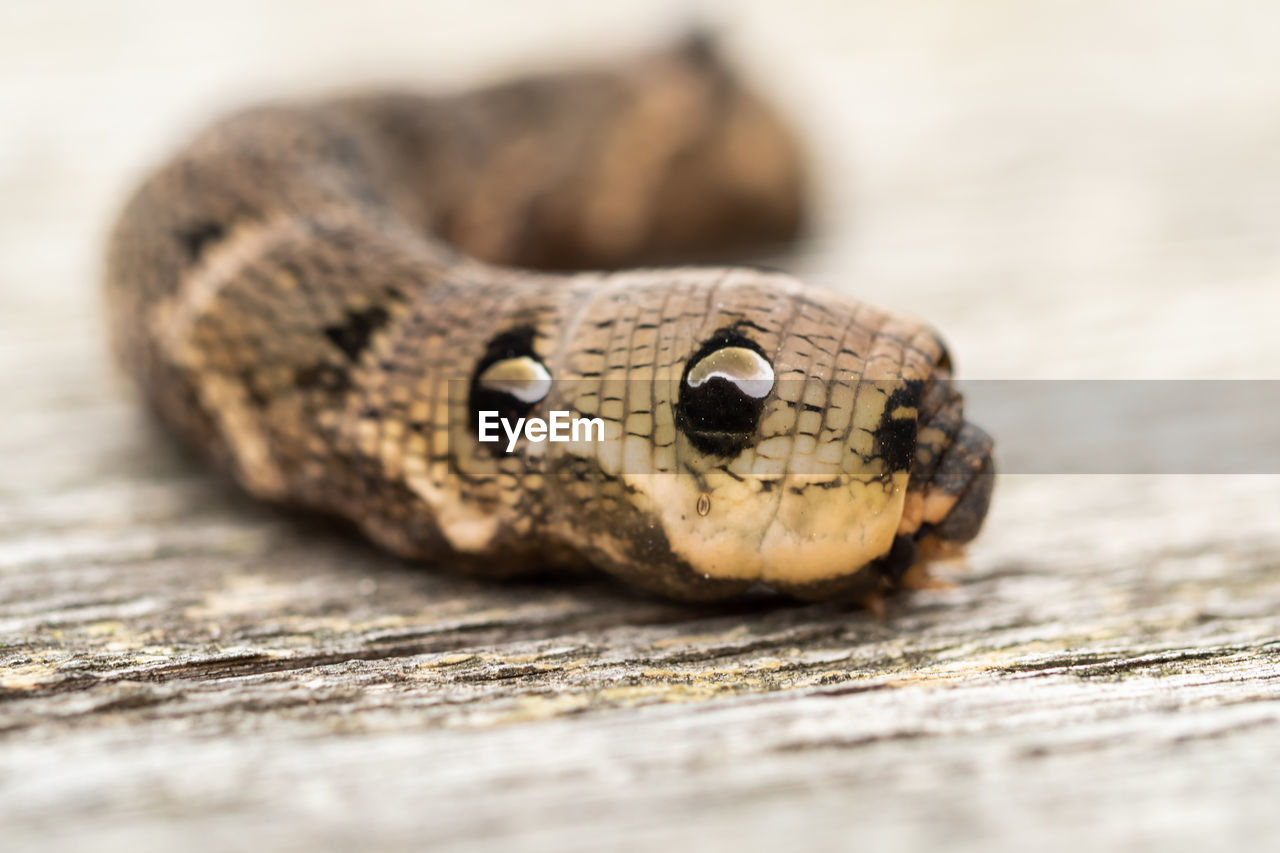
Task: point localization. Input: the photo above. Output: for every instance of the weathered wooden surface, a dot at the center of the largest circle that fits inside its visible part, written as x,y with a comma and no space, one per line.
1069,190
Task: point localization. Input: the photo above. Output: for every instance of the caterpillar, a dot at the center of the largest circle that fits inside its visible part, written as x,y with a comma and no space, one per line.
334,301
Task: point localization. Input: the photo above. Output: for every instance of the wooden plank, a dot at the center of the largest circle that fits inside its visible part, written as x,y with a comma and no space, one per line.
1069,191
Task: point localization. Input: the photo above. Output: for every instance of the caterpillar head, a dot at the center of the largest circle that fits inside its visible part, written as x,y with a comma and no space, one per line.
799,439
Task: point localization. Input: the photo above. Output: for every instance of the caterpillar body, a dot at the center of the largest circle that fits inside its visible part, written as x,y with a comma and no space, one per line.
325,298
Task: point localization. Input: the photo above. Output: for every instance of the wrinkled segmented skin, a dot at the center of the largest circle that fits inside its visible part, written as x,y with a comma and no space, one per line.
307,293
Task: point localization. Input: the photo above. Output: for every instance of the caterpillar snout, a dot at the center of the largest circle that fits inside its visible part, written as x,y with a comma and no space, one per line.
953,473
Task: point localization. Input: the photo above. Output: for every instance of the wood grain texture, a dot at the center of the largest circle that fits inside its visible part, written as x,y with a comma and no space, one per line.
1082,190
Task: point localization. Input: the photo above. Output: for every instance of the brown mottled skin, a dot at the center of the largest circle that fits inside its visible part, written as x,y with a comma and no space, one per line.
306,294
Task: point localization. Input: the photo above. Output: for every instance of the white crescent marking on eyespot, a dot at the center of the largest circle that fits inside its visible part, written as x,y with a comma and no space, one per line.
744,367
523,378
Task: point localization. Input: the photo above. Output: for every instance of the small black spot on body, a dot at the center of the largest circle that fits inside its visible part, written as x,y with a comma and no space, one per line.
353,334
197,238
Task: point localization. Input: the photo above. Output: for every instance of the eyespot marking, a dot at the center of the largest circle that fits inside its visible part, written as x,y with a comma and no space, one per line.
509,379
722,393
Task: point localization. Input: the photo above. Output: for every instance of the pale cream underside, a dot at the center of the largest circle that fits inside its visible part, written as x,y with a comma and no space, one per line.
832,527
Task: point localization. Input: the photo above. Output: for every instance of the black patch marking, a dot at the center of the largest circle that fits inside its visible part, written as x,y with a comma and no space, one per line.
353,334
895,438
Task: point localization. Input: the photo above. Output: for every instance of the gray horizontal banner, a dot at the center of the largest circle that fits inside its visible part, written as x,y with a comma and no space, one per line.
1129,426
1039,426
